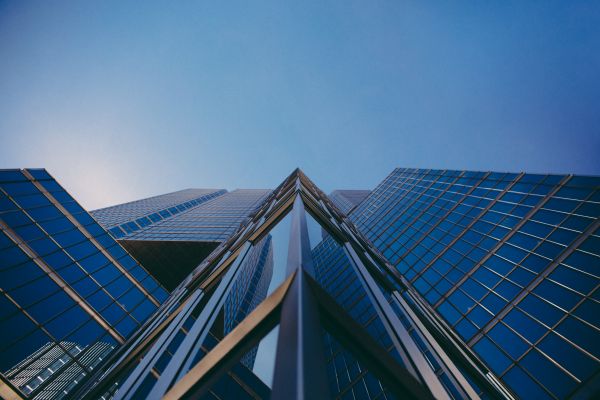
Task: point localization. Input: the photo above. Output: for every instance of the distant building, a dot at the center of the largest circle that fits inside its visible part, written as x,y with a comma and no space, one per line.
347,200
172,233
53,363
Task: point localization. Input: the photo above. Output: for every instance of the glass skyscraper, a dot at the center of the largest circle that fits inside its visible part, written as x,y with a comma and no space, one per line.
69,292
511,262
172,233
436,284
347,200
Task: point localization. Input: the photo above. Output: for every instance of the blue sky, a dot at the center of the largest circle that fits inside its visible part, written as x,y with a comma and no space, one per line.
121,100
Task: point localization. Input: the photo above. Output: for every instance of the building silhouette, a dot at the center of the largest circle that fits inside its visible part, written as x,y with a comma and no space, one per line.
436,284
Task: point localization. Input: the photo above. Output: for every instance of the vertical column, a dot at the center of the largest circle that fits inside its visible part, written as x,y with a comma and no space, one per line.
300,371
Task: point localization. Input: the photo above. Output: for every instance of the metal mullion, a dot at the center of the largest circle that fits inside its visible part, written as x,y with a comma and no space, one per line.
137,343
65,251
413,218
405,195
61,283
533,346
300,371
129,387
510,234
447,336
91,238
436,350
538,279
547,333
443,218
387,194
414,360
279,211
41,327
206,278
263,225
329,222
165,209
534,379
181,362
73,360
374,193
244,336
342,328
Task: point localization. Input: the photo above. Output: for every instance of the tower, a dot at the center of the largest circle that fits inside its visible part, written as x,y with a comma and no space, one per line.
182,356
69,294
436,284
510,261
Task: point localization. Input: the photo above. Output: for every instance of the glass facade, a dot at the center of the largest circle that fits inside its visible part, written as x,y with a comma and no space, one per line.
438,284
511,262
249,290
347,200
71,295
124,219
214,219
171,234
334,322
347,377
65,284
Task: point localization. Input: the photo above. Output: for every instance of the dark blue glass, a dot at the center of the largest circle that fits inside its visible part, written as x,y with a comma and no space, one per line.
523,385
489,352
584,335
20,275
576,362
34,291
543,311
508,340
524,325
548,374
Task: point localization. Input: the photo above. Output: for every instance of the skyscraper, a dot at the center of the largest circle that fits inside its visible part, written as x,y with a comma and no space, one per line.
406,355
436,284
511,262
347,200
172,233
68,292
71,295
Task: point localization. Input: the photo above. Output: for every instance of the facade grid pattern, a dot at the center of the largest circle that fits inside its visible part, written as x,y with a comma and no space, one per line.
53,252
123,219
213,221
510,261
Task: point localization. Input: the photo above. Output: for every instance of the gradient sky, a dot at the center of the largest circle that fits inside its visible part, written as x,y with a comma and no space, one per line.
121,100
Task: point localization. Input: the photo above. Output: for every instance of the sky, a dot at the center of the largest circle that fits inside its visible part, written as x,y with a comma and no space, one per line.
121,100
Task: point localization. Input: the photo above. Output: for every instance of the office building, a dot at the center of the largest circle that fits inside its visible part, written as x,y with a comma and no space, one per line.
71,294
347,200
396,342
66,285
510,261
172,233
50,366
436,284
